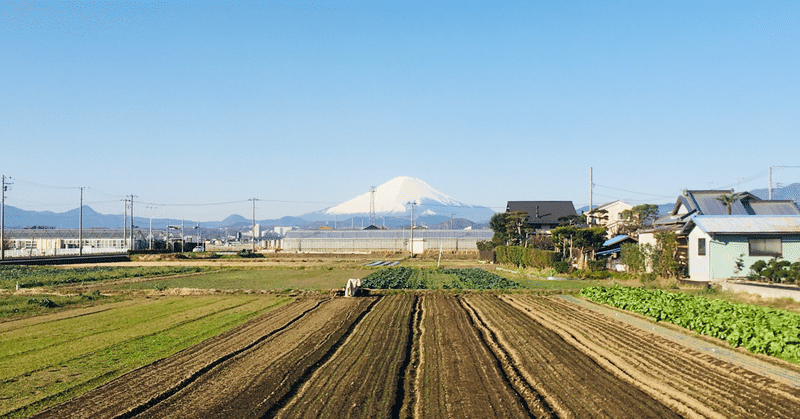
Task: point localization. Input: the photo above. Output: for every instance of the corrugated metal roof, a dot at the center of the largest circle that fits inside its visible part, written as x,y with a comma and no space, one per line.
608,252
614,240
733,224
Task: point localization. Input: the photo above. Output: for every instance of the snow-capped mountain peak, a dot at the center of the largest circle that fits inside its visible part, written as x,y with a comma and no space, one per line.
393,197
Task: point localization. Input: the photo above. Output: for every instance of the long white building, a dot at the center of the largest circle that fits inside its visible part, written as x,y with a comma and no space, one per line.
344,241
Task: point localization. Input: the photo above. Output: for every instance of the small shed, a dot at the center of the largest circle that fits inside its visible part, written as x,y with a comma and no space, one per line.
611,250
716,242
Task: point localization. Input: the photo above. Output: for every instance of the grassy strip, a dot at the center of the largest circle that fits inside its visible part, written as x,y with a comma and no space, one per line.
269,279
47,383
38,276
21,306
30,349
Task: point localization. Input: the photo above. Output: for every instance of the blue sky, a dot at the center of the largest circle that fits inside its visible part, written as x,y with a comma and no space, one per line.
305,105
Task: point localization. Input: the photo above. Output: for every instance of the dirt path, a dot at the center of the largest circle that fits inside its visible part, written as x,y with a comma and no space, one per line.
364,377
690,382
458,375
558,370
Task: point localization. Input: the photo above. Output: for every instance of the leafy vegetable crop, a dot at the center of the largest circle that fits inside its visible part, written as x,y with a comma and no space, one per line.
479,279
759,329
391,278
410,278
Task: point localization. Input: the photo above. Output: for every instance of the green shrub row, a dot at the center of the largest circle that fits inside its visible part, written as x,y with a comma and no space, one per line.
525,256
759,329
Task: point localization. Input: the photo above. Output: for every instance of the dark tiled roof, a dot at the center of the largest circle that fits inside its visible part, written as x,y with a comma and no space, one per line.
772,208
706,203
543,212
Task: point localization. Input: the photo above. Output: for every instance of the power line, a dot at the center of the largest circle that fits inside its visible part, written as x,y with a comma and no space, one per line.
44,186
639,193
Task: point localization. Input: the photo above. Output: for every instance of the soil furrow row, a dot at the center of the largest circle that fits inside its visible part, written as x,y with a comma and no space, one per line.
675,400
459,376
140,386
689,370
405,383
534,403
363,377
319,358
660,363
679,379
574,384
251,383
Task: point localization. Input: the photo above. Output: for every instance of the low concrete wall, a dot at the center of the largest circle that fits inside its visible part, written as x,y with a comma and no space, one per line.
764,290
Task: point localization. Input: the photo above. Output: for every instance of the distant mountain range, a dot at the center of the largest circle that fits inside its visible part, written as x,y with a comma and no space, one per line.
433,209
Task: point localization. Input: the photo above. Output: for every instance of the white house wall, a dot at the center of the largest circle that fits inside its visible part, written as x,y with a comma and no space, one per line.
699,269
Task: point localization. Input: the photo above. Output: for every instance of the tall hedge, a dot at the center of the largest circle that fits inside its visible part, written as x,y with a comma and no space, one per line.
524,257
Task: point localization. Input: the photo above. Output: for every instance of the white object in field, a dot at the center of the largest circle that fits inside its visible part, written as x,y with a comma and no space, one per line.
352,287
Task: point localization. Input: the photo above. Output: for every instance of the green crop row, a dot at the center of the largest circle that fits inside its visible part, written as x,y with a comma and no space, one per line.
410,278
37,276
759,329
479,279
391,278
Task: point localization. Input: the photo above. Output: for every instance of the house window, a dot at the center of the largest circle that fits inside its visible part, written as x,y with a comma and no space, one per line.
766,247
701,247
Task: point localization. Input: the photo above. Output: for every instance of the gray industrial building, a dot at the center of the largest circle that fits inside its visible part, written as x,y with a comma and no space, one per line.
364,241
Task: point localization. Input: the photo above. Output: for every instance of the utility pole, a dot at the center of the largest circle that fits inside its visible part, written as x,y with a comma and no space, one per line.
3,218
254,222
591,193
770,176
80,227
132,243
770,183
412,227
182,242
124,222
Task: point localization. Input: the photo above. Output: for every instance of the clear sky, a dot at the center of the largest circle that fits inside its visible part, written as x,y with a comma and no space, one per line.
306,105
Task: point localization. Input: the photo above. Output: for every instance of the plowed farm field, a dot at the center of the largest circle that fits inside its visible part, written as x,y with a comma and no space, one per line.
439,354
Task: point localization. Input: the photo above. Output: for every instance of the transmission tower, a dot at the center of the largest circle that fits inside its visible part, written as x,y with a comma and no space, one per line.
372,205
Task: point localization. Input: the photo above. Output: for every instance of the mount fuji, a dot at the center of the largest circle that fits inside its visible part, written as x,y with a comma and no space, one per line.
392,200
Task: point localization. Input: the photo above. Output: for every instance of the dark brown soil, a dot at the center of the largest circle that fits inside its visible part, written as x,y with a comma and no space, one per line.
255,381
458,375
559,371
432,355
363,377
689,381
